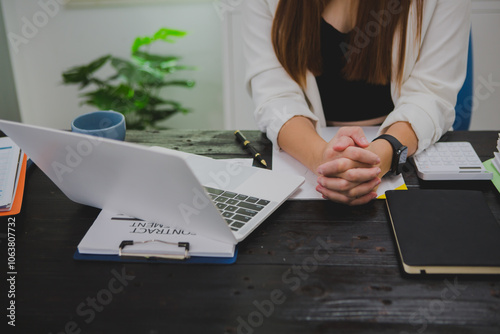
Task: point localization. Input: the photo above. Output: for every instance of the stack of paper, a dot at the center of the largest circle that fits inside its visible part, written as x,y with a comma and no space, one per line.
493,165
11,175
496,160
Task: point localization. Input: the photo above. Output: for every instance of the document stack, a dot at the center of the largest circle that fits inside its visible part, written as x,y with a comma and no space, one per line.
12,173
493,165
496,159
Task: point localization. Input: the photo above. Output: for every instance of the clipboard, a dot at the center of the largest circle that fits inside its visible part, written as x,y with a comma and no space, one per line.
119,238
192,260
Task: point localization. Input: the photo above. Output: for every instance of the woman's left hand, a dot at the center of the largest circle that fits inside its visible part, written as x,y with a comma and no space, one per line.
349,182
351,173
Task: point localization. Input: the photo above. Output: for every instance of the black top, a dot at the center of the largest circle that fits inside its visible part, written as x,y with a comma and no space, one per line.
347,101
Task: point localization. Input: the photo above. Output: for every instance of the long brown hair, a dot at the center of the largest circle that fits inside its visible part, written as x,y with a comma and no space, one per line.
296,38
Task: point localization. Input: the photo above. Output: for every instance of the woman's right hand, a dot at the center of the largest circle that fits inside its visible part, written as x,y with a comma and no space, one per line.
349,172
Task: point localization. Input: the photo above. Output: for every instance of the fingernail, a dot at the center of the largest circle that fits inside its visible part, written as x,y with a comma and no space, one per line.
379,171
320,171
321,181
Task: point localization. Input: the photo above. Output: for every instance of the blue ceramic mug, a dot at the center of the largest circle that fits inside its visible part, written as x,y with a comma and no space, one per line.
104,123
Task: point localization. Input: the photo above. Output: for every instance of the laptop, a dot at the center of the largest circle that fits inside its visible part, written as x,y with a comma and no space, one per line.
217,199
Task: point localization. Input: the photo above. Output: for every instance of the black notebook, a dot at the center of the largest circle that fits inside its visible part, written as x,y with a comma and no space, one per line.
445,231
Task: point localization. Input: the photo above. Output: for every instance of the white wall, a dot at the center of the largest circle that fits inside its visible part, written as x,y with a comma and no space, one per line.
238,105
486,40
9,108
74,36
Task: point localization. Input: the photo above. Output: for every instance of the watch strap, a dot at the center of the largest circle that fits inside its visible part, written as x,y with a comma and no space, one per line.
396,146
395,143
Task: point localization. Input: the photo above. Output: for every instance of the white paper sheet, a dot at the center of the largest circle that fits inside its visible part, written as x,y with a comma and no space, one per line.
10,166
285,163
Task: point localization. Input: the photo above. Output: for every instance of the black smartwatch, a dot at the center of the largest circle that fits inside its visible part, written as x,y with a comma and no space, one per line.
399,153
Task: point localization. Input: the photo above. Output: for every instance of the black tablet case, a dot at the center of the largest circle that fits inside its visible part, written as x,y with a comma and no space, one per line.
444,228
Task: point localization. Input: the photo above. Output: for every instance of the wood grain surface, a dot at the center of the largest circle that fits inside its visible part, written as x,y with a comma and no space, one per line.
312,267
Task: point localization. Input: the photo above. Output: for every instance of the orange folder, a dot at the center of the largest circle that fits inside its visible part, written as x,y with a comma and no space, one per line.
18,199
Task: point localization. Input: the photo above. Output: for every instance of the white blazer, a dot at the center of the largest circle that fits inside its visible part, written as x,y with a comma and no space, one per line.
434,71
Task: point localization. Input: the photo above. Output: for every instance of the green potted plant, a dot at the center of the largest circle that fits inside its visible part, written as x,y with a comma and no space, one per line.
135,87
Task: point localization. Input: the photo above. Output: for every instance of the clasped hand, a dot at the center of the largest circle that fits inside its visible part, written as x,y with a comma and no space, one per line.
349,172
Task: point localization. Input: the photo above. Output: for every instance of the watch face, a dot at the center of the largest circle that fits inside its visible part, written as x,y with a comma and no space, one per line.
403,155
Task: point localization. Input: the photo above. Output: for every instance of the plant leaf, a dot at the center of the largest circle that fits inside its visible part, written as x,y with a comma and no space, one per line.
136,75
83,74
182,83
174,69
112,98
97,64
155,61
164,34
78,74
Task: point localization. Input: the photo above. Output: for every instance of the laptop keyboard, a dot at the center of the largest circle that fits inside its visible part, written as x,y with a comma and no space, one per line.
237,209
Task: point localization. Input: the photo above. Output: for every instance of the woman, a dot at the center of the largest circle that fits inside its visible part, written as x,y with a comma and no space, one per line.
351,63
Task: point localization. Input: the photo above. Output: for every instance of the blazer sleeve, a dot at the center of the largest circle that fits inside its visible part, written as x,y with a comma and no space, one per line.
429,94
277,97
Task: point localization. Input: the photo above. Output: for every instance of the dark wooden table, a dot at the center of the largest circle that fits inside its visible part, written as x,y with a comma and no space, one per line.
312,267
